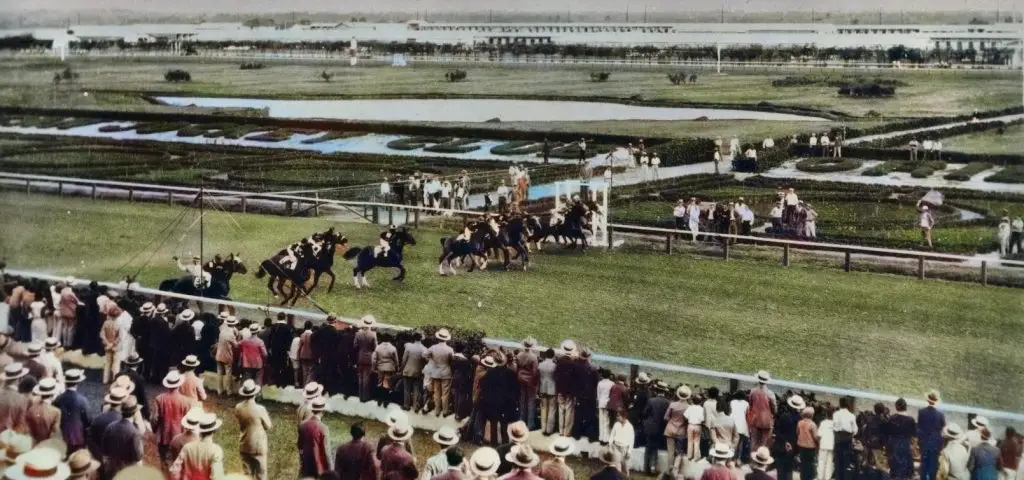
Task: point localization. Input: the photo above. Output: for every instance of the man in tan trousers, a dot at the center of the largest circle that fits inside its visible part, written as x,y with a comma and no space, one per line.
227,346
253,423
111,338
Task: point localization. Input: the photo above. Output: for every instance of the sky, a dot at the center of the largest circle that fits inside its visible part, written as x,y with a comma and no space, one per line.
201,6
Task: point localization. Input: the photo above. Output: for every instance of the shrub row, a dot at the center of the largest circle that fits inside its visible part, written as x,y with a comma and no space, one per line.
923,123
766,160
178,76
904,140
1014,174
279,135
415,143
965,174
686,151
459,145
159,127
904,166
252,66
332,135
827,165
870,90
951,157
518,147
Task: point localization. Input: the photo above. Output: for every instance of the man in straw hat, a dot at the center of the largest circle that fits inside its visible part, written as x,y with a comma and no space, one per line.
130,370
356,460
50,361
82,466
612,463
440,355
110,336
652,422
42,418
202,459
122,441
38,464
567,373
36,368
12,445
395,416
310,392
446,437
954,456
168,410
13,403
192,386
227,348
111,413
555,467
759,462
761,413
253,422
524,459
365,344
518,434
930,422
527,364
313,442
785,446
74,410
720,454
484,463
189,433
394,457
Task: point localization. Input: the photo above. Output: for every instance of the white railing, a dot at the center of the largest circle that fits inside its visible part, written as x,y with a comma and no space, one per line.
632,364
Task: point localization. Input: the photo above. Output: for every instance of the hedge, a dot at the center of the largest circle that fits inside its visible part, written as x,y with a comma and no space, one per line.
951,157
159,127
686,151
332,135
1013,174
278,135
965,174
415,143
767,159
924,122
905,166
460,145
518,147
828,165
904,140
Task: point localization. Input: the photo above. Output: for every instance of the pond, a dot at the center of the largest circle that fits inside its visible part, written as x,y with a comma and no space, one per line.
474,110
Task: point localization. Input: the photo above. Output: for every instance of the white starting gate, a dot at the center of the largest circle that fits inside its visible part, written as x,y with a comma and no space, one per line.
597,191
398,60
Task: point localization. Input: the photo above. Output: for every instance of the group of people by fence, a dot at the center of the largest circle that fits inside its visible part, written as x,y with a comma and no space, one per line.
426,190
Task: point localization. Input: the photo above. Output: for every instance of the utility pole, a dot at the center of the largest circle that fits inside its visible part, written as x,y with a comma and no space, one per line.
723,13
645,13
879,16
627,13
812,16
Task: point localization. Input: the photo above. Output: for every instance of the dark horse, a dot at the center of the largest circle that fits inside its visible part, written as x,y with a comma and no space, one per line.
366,260
453,248
324,259
514,234
279,274
575,223
220,280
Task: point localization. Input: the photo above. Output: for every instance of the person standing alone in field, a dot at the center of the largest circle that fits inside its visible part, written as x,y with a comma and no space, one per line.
927,222
761,414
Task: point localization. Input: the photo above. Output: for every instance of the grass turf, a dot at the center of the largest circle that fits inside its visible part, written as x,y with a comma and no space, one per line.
991,142
875,332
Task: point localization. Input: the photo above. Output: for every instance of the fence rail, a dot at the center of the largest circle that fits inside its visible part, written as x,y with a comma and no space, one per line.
632,364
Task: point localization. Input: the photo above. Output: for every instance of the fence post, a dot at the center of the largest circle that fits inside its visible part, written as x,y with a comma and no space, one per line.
316,204
725,250
406,215
243,202
634,371
416,219
94,191
131,194
170,198
984,272
391,215
668,244
610,231
28,186
785,255
920,268
846,262
376,215
734,385
60,189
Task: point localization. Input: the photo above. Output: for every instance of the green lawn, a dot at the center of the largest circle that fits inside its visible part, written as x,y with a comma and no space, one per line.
878,332
1010,142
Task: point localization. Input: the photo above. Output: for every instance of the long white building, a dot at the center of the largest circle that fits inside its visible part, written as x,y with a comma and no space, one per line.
927,37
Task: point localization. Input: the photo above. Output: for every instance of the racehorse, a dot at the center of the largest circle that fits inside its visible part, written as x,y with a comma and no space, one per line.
324,259
575,223
220,280
514,234
366,259
280,275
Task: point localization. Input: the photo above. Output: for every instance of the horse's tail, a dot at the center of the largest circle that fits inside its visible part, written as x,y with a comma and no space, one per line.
352,253
262,272
444,242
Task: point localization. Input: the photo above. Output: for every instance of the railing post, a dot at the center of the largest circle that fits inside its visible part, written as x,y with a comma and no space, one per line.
634,371
28,186
60,189
734,385
785,255
406,215
668,244
316,204
376,215
920,268
416,219
846,262
170,198
288,207
131,194
243,202
984,272
610,232
93,191
725,250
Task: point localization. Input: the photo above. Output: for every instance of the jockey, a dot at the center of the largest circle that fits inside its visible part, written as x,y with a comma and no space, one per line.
384,242
195,268
289,261
465,235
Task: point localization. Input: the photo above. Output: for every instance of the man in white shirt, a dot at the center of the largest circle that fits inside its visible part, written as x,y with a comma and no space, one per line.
738,412
503,192
385,190
694,415
717,158
746,218
734,147
655,165
776,216
621,439
604,389
512,173
825,144
937,146
927,146
913,150
844,424
813,143
789,208
446,194
693,218
768,142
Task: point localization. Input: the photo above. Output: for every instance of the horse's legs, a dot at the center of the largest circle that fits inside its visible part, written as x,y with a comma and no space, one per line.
270,285
504,256
440,263
355,277
401,273
362,279
330,273
316,280
583,238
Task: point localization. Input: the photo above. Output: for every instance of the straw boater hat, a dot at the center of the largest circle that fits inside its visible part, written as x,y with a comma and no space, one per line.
368,321
952,431
312,390
980,422
116,396
70,281
46,388
249,389
224,314
13,371
34,350
209,423
722,451
15,444
569,348
36,464
529,342
796,402
396,416
56,444
518,432
762,456
443,335
763,376
147,307
400,432
173,379
610,457
522,456
489,362
190,361
192,418
446,436
562,446
643,378
74,376
255,328
683,392
124,382
81,464
133,359
661,386
318,405
161,309
51,344
231,321
484,462
186,315
932,397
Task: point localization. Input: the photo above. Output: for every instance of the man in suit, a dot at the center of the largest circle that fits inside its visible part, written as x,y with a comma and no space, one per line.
611,461
227,345
441,375
310,392
394,458
159,332
13,404
189,433
438,464
168,410
412,372
111,338
253,422
365,344
555,468
74,411
325,343
279,342
930,423
130,369
454,459
313,442
524,459
759,462
355,460
653,425
203,458
191,386
42,418
140,330
111,413
122,442
529,379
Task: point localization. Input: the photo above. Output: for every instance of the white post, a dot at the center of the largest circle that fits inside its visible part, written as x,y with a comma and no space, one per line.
719,58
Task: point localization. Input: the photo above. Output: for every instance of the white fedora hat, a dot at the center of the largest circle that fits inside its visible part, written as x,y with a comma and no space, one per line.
190,361
147,307
763,376
231,321
249,388
173,379
762,456
312,390
722,450
683,392
46,388
484,462
367,321
443,335
446,436
952,430
522,455
562,446
400,432
192,418
210,423
115,396
186,315
796,402
980,422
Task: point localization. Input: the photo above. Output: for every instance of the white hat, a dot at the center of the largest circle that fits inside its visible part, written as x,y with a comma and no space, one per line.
980,422
124,382
13,371
34,349
224,314
312,390
762,456
763,376
190,361
518,432
39,463
484,462
796,402
722,450
173,379
81,464
115,396
569,347
16,443
161,308
231,320
643,378
192,418
396,416
522,455
683,392
446,436
249,388
209,423
489,362
400,432
147,307
562,446
952,430
186,315
443,335
74,376
46,388
318,405
367,321
51,343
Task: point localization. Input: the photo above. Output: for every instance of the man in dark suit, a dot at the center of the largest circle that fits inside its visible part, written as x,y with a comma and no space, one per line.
140,330
122,441
355,460
280,337
611,460
313,440
324,342
112,402
653,425
412,372
159,333
130,369
759,462
930,422
74,411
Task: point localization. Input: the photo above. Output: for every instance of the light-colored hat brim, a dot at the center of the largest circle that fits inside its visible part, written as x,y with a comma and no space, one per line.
440,441
511,458
169,384
5,378
253,393
17,472
392,435
212,428
92,467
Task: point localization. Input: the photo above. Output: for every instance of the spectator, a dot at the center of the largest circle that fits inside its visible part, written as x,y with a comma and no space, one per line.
734,147
227,345
927,146
122,442
440,356
785,446
355,460
547,393
984,458
81,465
566,378
790,201
518,434
913,149
938,149
653,424
604,391
1017,235
314,442
693,218
695,419
67,312
845,426
253,422
974,433
110,336
527,374
812,143
385,366
42,418
807,442
1003,235
826,445
720,454
192,386
930,423
50,362
679,214
759,462
621,439
203,458
525,460
927,222
75,415
252,353
394,458
738,407
825,144
168,410
767,143
612,464
365,345
310,393
111,413
456,469
307,359
555,468
717,159
837,146
760,416
656,166
1010,451
189,433
724,430
446,438
954,456
484,464
810,217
